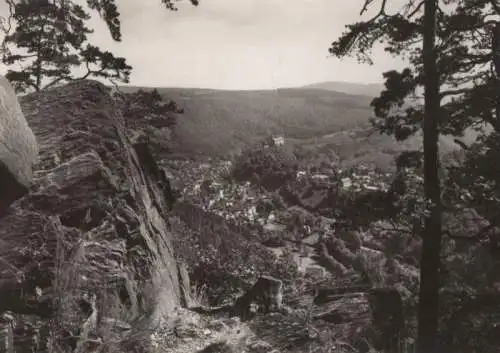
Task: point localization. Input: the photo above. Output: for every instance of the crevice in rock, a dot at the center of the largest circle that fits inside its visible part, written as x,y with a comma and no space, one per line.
135,240
124,295
151,167
83,218
130,200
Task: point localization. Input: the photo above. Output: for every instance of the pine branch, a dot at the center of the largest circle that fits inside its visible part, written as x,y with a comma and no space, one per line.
381,11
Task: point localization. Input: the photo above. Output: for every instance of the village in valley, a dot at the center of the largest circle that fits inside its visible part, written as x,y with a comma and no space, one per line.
213,180
208,185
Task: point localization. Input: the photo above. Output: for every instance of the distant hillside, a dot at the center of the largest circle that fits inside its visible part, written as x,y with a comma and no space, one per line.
219,123
368,89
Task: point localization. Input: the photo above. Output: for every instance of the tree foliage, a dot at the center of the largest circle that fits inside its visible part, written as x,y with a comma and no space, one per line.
268,166
464,39
149,105
49,42
466,36
465,42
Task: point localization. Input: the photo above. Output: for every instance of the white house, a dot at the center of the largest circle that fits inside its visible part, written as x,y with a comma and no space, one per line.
278,141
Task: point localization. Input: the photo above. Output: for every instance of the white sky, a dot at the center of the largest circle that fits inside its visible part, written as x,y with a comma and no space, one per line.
238,44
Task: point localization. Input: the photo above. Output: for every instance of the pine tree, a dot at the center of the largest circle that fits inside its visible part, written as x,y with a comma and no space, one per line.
49,41
430,263
447,46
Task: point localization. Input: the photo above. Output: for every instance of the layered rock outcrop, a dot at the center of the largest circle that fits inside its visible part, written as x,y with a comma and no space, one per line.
18,147
89,244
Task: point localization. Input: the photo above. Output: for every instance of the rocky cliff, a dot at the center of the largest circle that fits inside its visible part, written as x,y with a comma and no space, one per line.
18,147
88,245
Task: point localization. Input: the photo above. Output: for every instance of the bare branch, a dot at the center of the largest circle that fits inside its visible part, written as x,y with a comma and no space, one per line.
6,26
381,12
89,72
6,22
414,12
461,144
54,82
454,92
117,87
365,7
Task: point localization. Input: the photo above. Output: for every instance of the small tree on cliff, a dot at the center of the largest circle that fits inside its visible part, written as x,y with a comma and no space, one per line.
447,45
50,41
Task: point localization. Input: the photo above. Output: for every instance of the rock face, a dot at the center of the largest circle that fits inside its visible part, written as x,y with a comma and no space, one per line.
89,243
18,147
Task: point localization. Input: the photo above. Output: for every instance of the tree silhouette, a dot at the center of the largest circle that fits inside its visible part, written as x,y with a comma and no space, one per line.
447,47
50,42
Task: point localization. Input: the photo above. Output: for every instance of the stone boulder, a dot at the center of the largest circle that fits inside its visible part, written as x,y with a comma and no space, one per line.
89,244
18,147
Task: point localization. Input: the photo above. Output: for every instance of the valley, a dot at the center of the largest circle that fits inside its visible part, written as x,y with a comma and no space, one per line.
249,177
173,233
219,124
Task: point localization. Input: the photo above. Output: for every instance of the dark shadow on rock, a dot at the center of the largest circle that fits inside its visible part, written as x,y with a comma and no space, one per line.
150,165
10,189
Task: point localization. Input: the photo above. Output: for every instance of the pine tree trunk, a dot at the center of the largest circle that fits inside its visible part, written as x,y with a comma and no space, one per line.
495,51
38,63
431,249
497,106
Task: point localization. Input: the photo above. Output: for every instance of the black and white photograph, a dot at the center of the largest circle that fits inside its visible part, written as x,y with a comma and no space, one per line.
249,176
